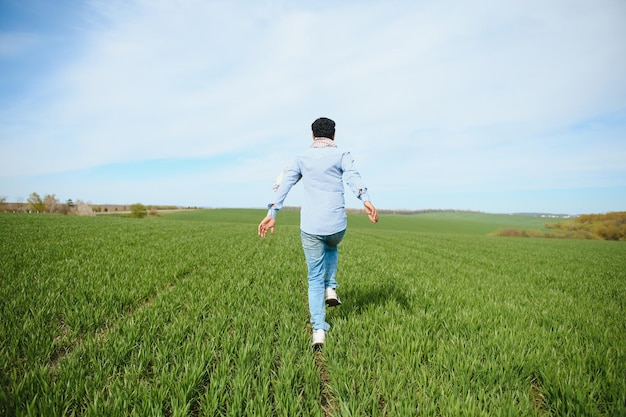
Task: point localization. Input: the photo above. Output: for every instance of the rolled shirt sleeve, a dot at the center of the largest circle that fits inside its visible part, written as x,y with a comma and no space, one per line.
287,179
353,177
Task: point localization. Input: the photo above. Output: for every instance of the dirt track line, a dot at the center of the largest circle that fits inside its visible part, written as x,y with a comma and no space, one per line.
327,399
100,335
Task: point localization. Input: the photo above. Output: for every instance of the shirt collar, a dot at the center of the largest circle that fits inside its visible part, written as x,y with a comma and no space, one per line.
323,143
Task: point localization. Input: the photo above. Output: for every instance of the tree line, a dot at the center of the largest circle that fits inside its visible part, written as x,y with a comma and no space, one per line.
49,203
46,204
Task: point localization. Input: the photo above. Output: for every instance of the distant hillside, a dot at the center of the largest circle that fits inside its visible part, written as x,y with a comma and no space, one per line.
609,226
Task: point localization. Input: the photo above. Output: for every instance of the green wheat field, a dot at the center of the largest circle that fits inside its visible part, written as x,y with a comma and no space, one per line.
191,314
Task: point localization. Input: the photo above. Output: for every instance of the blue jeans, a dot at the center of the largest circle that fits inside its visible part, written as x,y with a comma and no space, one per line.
321,258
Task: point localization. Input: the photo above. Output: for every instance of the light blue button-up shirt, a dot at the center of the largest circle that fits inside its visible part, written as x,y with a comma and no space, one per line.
322,172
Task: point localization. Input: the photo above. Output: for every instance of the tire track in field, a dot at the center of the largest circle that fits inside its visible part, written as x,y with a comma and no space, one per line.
327,399
101,334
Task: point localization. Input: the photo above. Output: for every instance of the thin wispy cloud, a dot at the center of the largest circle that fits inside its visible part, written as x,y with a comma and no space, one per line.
432,98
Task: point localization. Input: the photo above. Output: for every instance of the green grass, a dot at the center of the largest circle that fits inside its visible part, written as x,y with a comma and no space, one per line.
456,222
192,314
436,222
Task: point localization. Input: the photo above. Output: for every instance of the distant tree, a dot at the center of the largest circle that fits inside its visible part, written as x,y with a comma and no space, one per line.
50,203
3,202
138,211
35,203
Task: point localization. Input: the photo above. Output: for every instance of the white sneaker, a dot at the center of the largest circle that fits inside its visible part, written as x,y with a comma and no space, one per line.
331,297
319,336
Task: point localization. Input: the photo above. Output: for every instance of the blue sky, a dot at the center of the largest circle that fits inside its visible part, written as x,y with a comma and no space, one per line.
516,106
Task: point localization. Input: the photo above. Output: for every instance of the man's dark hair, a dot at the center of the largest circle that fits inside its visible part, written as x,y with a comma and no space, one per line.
323,128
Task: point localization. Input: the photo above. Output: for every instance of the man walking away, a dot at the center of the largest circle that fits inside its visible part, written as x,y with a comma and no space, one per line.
322,168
